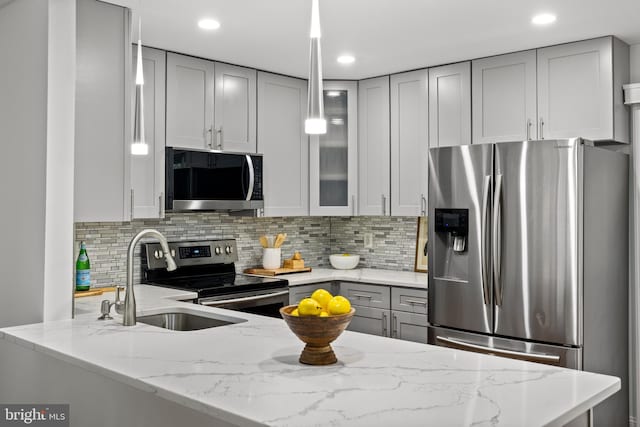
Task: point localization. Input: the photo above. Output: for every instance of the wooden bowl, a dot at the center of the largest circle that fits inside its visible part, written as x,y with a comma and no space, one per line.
317,333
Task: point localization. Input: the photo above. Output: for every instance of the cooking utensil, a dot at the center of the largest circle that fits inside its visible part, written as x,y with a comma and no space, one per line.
264,241
280,238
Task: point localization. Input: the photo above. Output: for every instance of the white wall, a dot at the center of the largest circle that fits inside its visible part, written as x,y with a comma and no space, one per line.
634,382
23,132
25,113
635,63
58,261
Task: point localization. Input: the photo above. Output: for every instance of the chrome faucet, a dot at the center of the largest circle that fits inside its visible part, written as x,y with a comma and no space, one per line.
129,318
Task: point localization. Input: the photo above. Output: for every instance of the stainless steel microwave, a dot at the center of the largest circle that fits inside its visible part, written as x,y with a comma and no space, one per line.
206,180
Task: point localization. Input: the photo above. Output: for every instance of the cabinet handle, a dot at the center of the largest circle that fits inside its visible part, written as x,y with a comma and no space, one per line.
541,128
353,205
209,140
394,331
529,129
220,138
423,205
362,296
384,324
384,205
160,205
131,207
415,302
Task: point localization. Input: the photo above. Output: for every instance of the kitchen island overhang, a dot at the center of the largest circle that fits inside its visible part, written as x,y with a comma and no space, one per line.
248,374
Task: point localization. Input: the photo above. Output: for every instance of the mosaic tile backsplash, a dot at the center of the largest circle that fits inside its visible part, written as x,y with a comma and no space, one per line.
315,237
394,240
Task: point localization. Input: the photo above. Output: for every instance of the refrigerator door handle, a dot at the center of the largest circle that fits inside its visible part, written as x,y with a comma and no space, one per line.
486,185
534,357
497,240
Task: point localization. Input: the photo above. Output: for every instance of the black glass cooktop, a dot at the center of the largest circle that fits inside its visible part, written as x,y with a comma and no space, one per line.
210,285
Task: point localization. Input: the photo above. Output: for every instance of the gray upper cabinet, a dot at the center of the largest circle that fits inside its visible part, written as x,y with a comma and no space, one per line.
190,89
147,172
210,105
504,98
450,105
373,147
282,103
235,108
102,121
409,143
580,90
333,157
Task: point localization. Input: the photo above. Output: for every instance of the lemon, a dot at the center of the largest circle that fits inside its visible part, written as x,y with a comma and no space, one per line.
339,305
309,307
295,312
346,254
324,314
322,296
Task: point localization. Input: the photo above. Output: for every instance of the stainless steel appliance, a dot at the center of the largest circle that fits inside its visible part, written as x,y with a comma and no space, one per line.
528,255
211,180
208,268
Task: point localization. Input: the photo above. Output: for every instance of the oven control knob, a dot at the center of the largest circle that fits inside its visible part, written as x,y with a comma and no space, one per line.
158,254
228,250
218,250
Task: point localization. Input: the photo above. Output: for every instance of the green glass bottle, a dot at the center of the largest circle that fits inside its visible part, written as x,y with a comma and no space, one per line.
83,270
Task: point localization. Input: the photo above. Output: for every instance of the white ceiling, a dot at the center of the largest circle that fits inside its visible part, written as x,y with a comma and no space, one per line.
385,36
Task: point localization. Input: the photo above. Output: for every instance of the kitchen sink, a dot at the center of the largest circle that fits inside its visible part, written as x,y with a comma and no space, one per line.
187,321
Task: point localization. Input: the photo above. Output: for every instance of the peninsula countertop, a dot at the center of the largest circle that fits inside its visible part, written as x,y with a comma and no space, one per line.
407,279
248,373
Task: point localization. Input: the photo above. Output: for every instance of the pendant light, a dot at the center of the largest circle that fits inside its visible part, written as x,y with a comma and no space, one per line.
139,146
315,124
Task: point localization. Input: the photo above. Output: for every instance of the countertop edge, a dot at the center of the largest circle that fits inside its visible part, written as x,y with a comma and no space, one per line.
587,405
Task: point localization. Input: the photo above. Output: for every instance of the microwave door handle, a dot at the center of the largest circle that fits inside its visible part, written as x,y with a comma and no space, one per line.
252,177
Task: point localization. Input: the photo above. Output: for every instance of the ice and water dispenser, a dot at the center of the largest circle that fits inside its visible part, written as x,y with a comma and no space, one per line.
451,228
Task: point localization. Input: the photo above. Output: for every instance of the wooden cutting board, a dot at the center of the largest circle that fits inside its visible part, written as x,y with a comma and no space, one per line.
93,292
277,271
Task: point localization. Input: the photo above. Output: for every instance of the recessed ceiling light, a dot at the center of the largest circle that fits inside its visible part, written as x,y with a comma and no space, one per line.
208,24
333,93
543,19
346,59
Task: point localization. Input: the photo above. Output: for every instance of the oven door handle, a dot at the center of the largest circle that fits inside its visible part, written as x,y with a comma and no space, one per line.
243,299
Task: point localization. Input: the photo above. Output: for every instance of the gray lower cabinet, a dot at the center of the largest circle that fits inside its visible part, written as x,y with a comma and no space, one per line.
409,326
297,293
365,295
381,310
371,321
410,300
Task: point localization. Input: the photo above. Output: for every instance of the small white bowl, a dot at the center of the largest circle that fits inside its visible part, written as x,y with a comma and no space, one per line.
344,262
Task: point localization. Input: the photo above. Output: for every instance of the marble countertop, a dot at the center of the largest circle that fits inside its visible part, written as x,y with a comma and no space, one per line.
248,373
365,275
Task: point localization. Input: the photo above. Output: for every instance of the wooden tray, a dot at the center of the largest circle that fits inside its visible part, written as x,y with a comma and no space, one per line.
93,292
277,271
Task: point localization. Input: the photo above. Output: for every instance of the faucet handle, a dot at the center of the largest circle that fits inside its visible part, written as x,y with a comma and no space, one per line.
105,308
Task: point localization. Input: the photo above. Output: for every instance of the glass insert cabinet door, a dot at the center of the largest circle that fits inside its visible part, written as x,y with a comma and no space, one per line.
333,156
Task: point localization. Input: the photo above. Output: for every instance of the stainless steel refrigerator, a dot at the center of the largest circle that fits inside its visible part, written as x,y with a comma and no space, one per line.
528,255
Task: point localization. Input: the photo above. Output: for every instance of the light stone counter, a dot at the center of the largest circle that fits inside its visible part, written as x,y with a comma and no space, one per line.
248,374
364,275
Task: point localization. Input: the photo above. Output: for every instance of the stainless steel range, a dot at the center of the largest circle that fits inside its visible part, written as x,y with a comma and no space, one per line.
208,268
